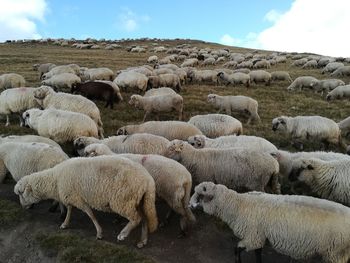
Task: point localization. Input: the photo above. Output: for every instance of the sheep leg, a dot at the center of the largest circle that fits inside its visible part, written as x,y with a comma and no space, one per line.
127,229
144,235
21,121
145,116
258,255
238,251
68,215
53,207
89,212
7,120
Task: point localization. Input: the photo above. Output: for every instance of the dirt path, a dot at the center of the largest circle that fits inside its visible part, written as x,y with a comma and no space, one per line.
210,241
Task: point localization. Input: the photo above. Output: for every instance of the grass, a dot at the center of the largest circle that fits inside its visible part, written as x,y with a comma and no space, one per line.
73,248
11,213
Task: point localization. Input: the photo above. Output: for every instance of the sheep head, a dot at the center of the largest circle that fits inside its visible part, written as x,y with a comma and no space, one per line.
204,193
175,149
41,92
303,170
197,141
135,100
122,131
96,149
25,192
211,98
279,123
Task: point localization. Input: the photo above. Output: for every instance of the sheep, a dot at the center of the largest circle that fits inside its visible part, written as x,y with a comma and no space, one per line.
331,67
323,61
327,85
222,142
48,98
138,143
235,78
215,125
159,91
106,183
299,62
303,82
308,128
152,59
173,181
117,93
262,64
59,125
182,74
98,74
243,104
209,61
260,76
17,100
230,64
62,81
298,226
44,68
72,68
245,64
310,64
159,103
28,138
281,75
344,126
286,159
168,129
341,72
23,158
237,168
159,71
339,93
11,80
191,62
131,80
164,80
96,90
199,76
328,179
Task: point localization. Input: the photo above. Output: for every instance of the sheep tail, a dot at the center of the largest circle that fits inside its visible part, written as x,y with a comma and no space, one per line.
99,127
185,202
149,209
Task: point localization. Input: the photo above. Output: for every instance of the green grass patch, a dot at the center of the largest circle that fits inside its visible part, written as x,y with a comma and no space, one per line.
11,213
72,248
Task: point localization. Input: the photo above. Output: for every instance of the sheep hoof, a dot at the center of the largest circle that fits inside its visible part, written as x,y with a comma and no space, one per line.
141,244
121,237
182,234
99,236
63,226
7,124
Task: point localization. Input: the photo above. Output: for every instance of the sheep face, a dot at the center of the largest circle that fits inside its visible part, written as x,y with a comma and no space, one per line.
80,143
204,193
220,74
197,141
135,100
302,171
279,124
211,98
95,150
25,192
175,149
30,117
122,131
42,92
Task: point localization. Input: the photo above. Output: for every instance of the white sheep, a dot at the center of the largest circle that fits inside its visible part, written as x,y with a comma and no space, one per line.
131,80
341,72
344,126
215,125
242,104
152,59
11,80
328,179
310,64
28,138
298,226
299,62
303,82
159,91
48,98
59,125
191,62
158,104
71,68
106,183
331,67
327,85
173,181
237,168
138,143
17,100
339,92
260,76
244,141
209,61
62,81
164,80
308,128
281,75
168,129
262,64
43,68
235,78
200,76
23,158
98,74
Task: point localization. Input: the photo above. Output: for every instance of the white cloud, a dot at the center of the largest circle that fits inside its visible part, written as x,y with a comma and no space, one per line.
18,18
250,40
311,26
228,40
130,21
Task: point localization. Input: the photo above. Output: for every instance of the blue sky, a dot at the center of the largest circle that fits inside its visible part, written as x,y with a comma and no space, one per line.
285,25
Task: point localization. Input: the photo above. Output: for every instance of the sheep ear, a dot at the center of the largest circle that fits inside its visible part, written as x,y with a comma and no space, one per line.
310,167
28,188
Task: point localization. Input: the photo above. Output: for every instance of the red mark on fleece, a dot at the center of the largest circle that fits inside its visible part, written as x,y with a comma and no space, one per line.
143,160
22,89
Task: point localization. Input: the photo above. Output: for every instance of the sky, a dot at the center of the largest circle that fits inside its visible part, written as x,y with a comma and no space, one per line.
317,26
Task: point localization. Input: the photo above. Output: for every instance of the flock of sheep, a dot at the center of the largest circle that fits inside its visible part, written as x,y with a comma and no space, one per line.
235,177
